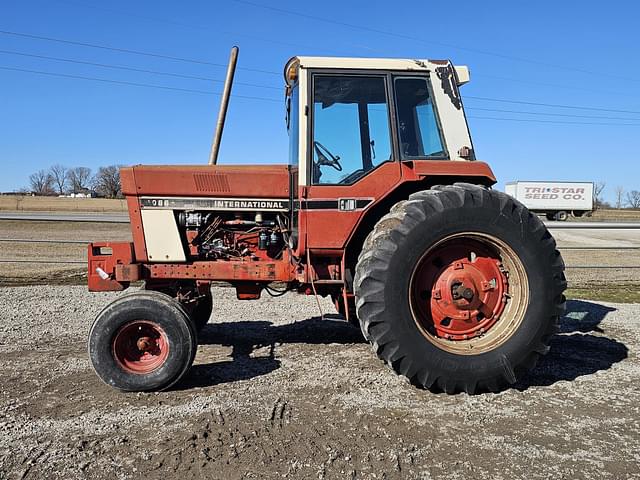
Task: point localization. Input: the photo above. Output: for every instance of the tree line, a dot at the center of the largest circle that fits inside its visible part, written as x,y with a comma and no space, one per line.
60,180
623,199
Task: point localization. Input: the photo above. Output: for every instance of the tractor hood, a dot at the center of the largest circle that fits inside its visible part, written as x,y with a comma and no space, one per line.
228,181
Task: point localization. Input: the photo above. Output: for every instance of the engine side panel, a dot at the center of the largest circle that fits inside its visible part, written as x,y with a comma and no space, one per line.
162,237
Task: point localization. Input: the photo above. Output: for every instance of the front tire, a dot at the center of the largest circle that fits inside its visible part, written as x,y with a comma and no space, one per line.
143,341
460,288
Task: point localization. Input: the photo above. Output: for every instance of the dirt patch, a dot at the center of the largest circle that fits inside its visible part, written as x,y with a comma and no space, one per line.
276,392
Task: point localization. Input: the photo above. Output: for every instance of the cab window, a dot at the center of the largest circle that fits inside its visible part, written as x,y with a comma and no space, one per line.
418,131
293,125
351,133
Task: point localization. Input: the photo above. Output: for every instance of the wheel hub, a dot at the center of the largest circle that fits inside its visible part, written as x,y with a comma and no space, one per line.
140,347
460,290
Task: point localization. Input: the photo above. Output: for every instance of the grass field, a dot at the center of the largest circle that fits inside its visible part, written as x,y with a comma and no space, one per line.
17,203
629,293
611,215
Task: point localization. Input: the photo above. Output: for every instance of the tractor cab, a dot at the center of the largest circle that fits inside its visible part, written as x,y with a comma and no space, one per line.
346,116
360,128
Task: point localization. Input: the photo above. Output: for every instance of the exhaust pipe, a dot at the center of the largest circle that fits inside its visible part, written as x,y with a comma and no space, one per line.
224,104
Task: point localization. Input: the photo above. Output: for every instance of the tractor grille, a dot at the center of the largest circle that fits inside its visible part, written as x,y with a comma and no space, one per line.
211,182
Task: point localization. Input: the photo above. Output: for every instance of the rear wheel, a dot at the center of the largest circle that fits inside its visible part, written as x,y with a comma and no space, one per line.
142,341
459,288
561,216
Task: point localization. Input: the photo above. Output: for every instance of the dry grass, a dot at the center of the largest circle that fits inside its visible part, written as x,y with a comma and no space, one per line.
606,293
17,203
610,215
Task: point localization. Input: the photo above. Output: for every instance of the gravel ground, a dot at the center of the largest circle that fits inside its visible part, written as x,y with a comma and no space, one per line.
278,393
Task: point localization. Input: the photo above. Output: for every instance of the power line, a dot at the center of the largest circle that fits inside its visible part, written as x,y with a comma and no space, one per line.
554,105
550,114
295,45
564,86
136,52
195,27
133,52
205,92
418,39
132,69
552,121
134,84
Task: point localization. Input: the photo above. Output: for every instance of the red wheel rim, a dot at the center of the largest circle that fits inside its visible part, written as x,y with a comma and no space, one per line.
140,347
460,291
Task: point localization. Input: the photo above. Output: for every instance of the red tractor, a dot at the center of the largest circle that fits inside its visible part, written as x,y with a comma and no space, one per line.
382,206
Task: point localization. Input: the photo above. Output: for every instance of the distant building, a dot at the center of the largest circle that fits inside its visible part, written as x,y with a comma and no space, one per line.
83,193
19,194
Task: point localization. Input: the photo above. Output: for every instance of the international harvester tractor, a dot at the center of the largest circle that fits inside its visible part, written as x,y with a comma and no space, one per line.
382,206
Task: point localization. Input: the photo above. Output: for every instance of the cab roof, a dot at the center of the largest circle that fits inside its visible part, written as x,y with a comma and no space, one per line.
401,64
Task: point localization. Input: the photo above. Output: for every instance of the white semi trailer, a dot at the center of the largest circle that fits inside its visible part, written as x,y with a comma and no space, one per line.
556,200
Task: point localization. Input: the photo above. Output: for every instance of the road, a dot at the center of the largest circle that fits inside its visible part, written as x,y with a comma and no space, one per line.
90,227
67,217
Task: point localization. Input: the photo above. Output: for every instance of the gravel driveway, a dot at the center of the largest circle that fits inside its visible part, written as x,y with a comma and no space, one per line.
278,393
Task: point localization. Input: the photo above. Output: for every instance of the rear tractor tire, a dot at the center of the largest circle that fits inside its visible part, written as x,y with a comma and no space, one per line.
459,288
143,341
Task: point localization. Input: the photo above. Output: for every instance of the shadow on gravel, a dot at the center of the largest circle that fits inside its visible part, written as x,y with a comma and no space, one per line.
245,337
575,352
579,349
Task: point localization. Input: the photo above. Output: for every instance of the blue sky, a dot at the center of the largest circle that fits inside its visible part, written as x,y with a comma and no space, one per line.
581,54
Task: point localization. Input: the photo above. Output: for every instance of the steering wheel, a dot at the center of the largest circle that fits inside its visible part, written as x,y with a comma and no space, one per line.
323,160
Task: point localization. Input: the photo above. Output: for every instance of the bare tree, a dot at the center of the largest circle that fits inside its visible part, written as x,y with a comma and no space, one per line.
619,197
59,175
598,188
633,199
41,183
79,179
107,181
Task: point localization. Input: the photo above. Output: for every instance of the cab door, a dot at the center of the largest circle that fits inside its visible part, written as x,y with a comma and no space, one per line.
351,154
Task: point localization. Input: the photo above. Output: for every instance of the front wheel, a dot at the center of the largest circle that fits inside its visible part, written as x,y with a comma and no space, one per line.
460,288
142,341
